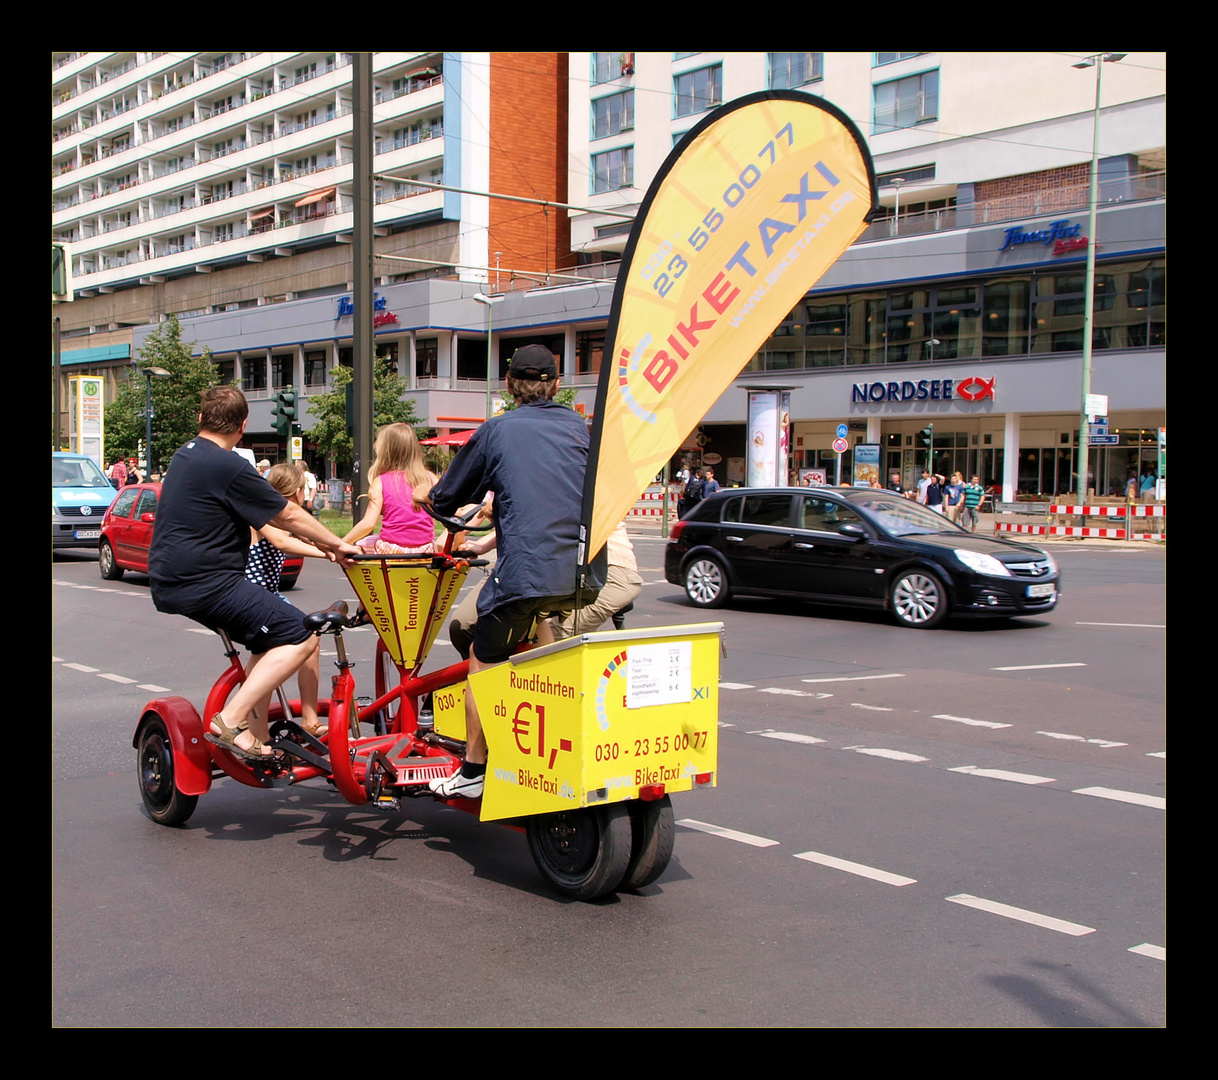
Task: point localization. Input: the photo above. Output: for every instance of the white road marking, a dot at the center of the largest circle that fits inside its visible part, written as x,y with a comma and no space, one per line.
870,708
116,678
1002,774
1036,667
1081,738
856,868
1022,915
728,834
855,678
153,688
788,736
1136,625
1158,753
82,667
1116,795
786,690
735,686
199,630
892,755
1155,952
969,720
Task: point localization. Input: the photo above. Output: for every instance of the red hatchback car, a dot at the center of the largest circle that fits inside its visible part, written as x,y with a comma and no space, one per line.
126,533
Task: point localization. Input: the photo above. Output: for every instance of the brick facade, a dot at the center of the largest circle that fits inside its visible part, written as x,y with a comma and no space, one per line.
529,159
1046,192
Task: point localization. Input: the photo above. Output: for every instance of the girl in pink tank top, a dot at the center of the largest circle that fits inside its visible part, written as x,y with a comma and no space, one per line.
397,473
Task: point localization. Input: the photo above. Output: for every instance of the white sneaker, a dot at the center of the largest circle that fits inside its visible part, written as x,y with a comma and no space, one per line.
464,786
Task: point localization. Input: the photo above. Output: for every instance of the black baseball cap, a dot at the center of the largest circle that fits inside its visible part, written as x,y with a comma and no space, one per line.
533,362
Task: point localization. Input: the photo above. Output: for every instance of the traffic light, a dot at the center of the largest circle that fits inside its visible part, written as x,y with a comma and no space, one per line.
284,414
926,437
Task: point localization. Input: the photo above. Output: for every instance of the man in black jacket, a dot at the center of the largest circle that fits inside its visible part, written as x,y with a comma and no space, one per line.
533,458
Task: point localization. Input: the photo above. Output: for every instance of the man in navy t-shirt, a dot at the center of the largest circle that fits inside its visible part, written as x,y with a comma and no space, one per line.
210,500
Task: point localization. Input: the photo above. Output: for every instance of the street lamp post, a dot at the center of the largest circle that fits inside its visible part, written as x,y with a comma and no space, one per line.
896,182
488,302
1098,60
150,373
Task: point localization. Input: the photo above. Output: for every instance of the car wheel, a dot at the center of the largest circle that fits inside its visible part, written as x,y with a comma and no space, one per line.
583,854
110,570
165,804
919,599
706,582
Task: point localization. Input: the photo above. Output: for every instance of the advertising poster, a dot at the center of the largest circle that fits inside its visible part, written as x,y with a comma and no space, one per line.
866,465
762,445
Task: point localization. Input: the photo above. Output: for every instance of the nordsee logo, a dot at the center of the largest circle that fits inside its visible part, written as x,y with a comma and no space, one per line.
922,390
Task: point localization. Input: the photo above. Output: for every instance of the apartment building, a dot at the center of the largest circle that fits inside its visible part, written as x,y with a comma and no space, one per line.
204,184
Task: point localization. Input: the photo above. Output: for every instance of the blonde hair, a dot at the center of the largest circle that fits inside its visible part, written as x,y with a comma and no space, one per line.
286,478
397,449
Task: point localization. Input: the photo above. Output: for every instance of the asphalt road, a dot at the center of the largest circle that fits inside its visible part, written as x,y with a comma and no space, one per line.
958,827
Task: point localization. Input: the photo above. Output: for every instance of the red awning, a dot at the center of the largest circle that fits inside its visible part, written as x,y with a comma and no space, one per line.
317,196
456,438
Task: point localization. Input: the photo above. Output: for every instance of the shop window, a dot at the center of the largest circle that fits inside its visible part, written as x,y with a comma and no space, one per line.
281,371
253,373
315,369
426,358
589,351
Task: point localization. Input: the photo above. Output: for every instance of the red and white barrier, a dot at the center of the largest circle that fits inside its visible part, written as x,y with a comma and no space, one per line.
1088,531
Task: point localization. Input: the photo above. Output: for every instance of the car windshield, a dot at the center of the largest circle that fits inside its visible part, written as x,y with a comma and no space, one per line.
903,517
77,473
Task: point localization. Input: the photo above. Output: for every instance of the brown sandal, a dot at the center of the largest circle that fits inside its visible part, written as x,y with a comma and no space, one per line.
227,738
317,730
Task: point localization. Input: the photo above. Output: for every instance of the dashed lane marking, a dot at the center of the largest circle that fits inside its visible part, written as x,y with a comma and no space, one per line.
727,834
1035,918
1106,743
971,721
1036,667
1155,952
892,755
788,736
855,678
1003,774
1134,797
856,868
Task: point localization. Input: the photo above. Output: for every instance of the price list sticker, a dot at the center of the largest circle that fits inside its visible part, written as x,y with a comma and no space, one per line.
659,674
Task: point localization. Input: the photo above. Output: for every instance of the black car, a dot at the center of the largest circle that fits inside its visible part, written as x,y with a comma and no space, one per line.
853,546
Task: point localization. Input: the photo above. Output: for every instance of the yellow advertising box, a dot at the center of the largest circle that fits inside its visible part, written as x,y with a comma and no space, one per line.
407,598
448,707
597,717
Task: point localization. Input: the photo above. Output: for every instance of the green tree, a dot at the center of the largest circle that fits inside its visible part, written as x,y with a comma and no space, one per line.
388,407
175,401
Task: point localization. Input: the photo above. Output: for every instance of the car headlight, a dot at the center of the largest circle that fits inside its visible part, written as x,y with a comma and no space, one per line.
1051,561
982,564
